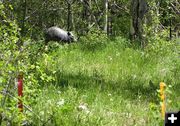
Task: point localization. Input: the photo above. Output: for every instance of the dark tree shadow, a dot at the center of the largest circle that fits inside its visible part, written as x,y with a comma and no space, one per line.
127,88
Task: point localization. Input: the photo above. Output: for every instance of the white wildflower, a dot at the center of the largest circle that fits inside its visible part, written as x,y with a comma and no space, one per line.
83,107
61,102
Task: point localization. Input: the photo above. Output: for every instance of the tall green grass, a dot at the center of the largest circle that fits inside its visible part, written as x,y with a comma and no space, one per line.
113,85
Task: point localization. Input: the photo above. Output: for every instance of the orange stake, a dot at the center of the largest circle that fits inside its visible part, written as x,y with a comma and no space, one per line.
162,96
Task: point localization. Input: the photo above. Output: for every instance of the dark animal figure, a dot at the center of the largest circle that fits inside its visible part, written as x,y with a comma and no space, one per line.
57,34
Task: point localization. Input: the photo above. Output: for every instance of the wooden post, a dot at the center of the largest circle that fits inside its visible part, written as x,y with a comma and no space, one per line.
20,91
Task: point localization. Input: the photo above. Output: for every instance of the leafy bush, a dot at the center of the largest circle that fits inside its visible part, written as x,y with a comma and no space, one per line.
14,59
94,40
9,56
160,47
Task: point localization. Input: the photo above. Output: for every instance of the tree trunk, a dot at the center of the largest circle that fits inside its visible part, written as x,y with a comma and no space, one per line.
86,16
23,17
138,9
106,17
69,18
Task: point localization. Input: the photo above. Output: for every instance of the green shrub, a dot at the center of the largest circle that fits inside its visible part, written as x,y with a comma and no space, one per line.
161,47
94,40
14,59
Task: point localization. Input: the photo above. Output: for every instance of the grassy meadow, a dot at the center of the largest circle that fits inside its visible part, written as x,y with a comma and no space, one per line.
116,85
